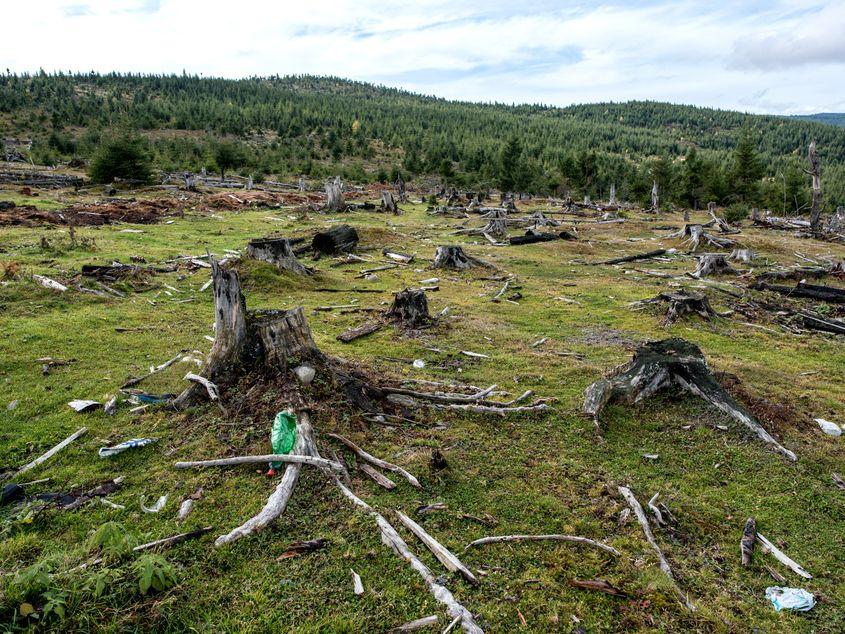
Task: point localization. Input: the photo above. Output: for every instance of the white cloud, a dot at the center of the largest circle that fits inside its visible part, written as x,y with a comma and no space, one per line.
550,52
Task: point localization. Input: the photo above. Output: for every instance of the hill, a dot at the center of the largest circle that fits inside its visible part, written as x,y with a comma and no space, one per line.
830,118
320,126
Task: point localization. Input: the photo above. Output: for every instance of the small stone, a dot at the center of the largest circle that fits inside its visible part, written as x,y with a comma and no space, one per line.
305,374
13,405
419,364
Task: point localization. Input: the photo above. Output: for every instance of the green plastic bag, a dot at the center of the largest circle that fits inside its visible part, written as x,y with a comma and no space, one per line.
283,435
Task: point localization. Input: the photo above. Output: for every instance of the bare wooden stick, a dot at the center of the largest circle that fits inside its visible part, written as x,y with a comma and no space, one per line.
175,539
643,520
52,452
273,457
584,541
378,462
154,370
390,537
377,476
444,556
417,624
782,558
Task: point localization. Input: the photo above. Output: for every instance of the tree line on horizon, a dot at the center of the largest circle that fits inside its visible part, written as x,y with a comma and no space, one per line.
321,126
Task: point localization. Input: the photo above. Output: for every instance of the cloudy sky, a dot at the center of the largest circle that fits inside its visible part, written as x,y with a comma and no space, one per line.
777,56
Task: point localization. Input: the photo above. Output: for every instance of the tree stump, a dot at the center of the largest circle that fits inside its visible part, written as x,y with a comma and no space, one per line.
410,309
695,234
453,257
713,264
681,303
339,239
741,255
272,340
661,364
276,251
388,203
497,223
334,194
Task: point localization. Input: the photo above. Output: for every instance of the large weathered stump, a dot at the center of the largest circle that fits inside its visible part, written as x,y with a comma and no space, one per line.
694,234
497,223
276,251
339,239
388,203
453,257
410,308
670,363
713,264
681,303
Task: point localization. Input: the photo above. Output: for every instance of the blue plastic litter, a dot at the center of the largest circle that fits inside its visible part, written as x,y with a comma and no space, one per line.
106,452
790,598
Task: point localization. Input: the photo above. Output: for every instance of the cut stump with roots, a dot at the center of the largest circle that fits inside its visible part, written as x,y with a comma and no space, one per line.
713,264
671,362
410,309
695,234
454,257
681,303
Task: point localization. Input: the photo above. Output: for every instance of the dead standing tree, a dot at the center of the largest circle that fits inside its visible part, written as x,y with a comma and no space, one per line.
334,194
400,189
815,172
670,363
655,198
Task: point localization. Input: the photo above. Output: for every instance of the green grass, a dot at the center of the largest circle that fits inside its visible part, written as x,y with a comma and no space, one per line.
533,473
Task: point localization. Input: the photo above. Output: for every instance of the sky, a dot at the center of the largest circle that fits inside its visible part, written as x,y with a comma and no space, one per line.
775,56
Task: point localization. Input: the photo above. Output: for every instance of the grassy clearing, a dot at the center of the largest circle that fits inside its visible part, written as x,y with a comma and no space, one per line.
534,474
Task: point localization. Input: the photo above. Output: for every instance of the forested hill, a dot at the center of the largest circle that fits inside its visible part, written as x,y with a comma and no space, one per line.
831,118
319,126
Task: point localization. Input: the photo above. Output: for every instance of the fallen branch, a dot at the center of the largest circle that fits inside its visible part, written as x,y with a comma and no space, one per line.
443,555
52,452
782,558
390,537
154,370
378,462
288,458
643,520
584,541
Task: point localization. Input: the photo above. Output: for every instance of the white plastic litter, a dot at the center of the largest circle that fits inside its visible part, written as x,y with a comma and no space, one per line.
84,406
790,598
831,429
155,508
107,452
419,364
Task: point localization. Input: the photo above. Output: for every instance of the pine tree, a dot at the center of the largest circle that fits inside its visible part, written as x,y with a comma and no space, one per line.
509,165
693,179
746,171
